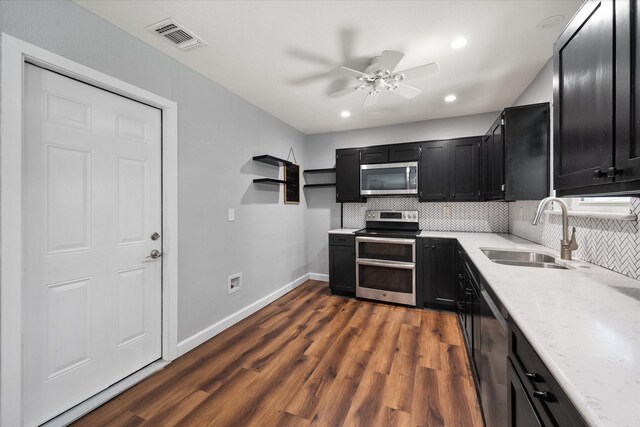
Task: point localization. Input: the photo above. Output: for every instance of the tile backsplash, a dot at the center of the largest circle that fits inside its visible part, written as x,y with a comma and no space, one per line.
612,244
609,243
463,216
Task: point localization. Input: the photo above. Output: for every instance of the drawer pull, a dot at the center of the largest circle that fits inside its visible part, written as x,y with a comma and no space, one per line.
543,395
533,376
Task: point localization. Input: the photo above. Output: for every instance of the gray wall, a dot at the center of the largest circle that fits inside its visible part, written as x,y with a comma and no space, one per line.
218,134
540,89
323,213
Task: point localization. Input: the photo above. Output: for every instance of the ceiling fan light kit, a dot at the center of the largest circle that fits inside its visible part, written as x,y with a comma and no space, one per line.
380,75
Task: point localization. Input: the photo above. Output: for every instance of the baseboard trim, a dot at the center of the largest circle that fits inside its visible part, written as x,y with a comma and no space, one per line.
213,330
319,276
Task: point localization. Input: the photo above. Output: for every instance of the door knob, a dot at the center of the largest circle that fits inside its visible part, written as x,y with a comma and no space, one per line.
155,254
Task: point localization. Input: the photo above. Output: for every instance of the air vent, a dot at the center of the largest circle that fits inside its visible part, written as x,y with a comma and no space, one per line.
173,32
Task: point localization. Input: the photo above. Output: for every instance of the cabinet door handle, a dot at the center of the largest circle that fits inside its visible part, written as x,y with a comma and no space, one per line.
433,247
460,276
598,174
543,395
533,376
613,172
453,196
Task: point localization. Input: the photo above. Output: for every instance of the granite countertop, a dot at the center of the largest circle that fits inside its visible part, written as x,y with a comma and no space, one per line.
343,231
583,322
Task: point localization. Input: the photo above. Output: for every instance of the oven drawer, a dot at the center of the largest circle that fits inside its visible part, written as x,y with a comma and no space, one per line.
386,249
342,239
386,281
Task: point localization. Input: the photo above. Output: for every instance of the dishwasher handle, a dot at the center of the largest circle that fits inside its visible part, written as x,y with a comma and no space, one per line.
495,311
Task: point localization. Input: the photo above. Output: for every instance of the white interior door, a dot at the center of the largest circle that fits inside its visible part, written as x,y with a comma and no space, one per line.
92,200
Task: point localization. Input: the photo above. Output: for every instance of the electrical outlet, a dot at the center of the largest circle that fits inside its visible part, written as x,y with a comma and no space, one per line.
521,212
446,211
234,283
232,214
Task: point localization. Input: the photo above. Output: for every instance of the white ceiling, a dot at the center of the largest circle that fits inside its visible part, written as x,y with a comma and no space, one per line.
278,54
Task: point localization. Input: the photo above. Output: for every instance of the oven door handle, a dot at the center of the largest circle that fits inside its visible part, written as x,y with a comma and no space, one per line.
390,264
396,241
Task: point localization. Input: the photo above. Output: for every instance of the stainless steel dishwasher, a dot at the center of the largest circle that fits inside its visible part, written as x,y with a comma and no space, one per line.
493,369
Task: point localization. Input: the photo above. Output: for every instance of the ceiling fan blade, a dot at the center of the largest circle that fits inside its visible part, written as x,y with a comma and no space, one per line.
425,70
349,72
371,99
390,59
343,92
406,91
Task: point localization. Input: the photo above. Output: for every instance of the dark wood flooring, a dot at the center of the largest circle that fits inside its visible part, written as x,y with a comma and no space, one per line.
311,358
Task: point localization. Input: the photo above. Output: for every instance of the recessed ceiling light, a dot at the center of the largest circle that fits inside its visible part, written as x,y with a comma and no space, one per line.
550,22
459,42
345,114
450,98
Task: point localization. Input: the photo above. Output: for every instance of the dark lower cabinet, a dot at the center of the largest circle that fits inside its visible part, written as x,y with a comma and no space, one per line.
348,175
342,264
437,273
539,398
520,409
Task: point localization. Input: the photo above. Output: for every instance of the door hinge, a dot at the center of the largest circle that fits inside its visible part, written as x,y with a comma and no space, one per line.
502,187
420,151
502,122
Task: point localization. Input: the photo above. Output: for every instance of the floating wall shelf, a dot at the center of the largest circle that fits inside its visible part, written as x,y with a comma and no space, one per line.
320,171
328,184
268,181
326,170
270,160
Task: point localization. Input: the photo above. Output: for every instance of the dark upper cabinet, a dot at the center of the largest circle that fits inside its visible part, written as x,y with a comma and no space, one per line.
526,136
596,142
342,264
450,170
627,125
493,161
464,169
433,177
348,175
404,153
374,155
515,154
438,279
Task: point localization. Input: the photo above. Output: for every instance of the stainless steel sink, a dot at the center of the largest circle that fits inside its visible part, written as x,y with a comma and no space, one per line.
522,259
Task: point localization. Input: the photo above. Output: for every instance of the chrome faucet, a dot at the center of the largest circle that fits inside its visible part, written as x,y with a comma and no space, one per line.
566,246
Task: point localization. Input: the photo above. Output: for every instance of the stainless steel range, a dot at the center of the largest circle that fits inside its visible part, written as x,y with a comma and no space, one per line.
386,257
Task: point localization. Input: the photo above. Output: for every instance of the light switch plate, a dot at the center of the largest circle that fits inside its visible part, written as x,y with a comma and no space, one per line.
232,214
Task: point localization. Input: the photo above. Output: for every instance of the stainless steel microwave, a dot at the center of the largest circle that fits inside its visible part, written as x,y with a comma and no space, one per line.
389,179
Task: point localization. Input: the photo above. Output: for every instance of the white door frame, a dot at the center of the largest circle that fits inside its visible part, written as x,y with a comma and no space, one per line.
14,53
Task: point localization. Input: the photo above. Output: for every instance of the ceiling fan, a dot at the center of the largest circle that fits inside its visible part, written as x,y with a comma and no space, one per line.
380,75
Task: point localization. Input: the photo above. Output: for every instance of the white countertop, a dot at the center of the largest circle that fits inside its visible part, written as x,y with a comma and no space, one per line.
343,231
586,332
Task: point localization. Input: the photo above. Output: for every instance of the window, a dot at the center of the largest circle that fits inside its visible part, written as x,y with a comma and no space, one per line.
599,204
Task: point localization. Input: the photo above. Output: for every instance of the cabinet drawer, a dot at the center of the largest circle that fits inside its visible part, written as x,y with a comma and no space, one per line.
342,239
549,400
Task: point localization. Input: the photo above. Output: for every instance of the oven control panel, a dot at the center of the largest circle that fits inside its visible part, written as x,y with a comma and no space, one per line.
394,216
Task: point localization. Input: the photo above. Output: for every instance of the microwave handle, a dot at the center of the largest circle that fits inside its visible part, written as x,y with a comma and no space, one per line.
408,187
